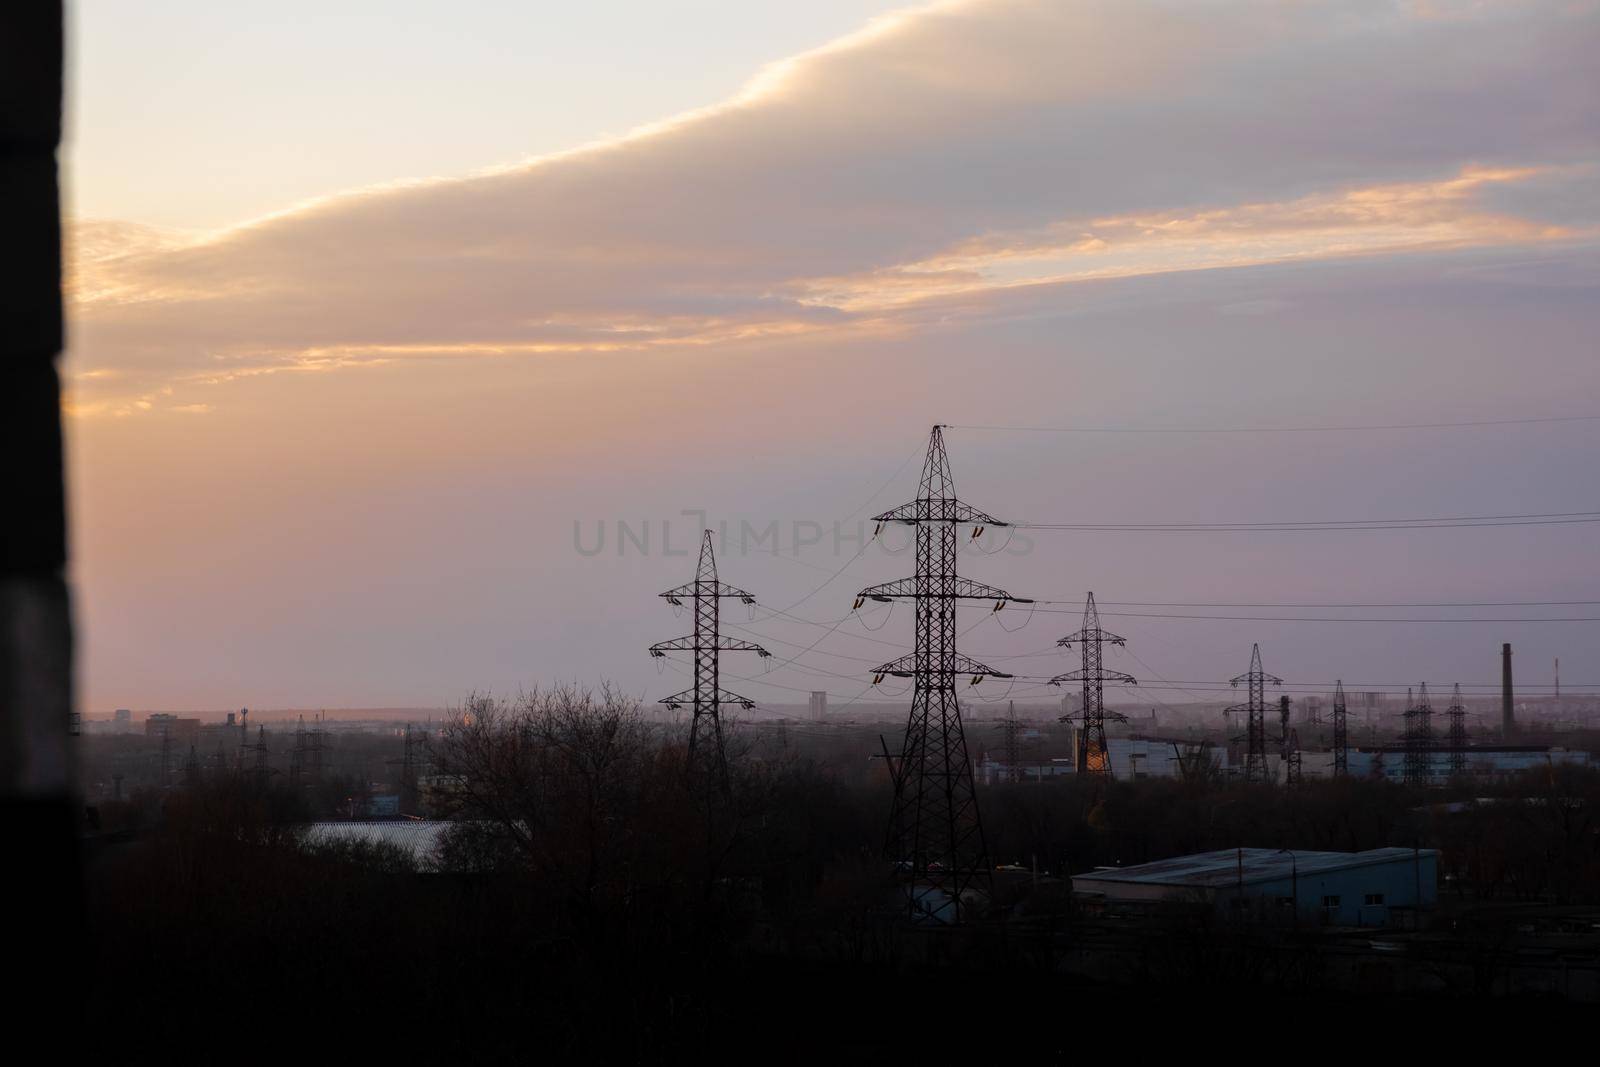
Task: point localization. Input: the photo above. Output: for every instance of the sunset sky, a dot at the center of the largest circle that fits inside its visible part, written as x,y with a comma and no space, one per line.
379,310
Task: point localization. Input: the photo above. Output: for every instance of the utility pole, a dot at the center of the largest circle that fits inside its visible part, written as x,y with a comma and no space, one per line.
1418,739
1255,710
935,836
707,696
1094,756
1456,714
1341,736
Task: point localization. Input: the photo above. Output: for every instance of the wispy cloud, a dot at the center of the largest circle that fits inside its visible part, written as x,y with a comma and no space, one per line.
1397,217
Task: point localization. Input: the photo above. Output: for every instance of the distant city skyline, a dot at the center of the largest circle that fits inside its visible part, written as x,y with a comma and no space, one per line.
343,401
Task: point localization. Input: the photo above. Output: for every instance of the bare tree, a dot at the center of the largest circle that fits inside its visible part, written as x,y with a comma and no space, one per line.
549,782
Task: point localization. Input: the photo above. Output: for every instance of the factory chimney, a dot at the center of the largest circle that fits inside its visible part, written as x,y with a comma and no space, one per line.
1507,726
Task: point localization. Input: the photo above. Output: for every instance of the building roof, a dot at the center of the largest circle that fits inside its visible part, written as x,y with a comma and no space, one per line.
417,836
1223,868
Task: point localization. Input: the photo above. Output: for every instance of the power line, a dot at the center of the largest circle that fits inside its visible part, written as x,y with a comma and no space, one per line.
1453,522
1321,618
1281,429
1390,604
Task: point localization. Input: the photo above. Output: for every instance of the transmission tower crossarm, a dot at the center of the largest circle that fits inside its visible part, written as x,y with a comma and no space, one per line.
941,509
1114,716
917,587
690,590
691,643
1104,637
906,667
686,697
1079,675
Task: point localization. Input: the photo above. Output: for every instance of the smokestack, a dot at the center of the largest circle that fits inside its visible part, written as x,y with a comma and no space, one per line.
1507,725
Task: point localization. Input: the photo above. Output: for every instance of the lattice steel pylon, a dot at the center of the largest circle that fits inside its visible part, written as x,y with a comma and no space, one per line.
707,696
935,836
1341,733
1292,760
1456,716
1093,756
263,772
1255,710
1013,749
1418,739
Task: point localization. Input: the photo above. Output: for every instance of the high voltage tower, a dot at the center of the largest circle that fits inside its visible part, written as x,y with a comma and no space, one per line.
1341,734
263,768
1093,755
935,834
1012,728
1456,716
1255,710
1418,739
305,758
707,696
410,773
1291,759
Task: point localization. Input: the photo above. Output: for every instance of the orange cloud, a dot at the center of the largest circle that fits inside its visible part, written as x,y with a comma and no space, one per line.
1394,217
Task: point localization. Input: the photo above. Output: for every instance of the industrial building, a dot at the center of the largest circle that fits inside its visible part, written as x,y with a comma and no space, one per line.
1127,759
819,705
1328,888
1482,762
186,730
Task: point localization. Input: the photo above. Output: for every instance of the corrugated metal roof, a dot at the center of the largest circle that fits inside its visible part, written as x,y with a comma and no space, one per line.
1223,868
419,837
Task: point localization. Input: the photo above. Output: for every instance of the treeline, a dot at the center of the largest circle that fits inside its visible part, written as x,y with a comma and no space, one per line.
625,901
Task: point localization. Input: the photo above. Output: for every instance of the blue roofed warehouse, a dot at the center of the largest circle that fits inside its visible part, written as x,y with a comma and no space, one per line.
1336,888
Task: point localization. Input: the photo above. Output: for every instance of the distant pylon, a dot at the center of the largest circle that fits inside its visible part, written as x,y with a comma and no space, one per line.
1341,735
707,696
297,754
935,836
1291,759
409,776
263,765
1093,756
1013,753
1255,710
1418,738
1456,715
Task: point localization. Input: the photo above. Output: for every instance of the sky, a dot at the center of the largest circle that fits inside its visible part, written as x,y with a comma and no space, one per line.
383,316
